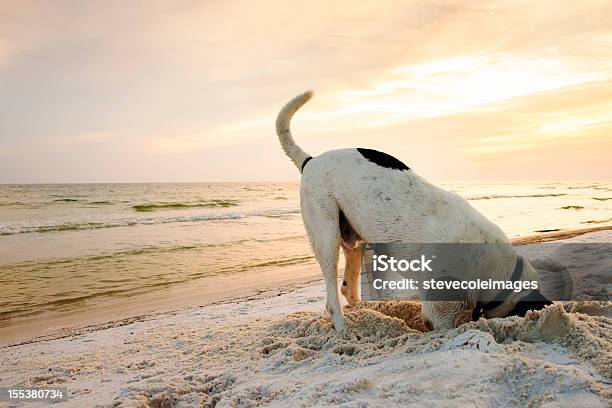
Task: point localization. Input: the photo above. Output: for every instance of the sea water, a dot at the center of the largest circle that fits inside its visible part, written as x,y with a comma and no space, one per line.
63,245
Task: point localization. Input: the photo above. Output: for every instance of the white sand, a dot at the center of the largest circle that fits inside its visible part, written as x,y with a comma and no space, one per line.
281,351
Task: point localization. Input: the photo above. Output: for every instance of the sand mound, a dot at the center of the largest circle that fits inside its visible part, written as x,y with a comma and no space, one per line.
559,356
591,308
589,337
387,353
369,332
376,327
383,330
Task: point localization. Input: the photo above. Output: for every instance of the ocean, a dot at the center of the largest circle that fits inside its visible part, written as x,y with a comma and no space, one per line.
64,245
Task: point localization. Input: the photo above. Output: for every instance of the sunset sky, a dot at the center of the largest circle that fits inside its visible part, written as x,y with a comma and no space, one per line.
189,90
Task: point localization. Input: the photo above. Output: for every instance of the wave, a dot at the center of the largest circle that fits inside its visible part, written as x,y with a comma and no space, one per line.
144,207
592,186
572,207
148,207
152,250
32,309
126,222
601,198
57,201
596,221
492,196
12,203
101,202
127,285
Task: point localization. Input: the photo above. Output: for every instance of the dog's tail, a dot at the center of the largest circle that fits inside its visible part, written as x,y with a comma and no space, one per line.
295,153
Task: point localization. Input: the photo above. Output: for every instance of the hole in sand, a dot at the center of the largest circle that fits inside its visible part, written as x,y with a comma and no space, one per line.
409,311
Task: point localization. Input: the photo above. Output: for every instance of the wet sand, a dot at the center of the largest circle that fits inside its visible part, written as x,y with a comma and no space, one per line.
206,291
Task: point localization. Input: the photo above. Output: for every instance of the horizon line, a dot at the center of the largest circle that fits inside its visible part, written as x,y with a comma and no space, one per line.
297,181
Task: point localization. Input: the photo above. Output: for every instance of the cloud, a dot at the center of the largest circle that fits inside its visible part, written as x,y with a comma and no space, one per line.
575,117
188,141
450,86
176,78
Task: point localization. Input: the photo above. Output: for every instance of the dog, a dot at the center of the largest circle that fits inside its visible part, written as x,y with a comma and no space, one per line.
353,196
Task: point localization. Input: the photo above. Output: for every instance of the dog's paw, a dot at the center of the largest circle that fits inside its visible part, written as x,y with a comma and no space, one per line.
339,324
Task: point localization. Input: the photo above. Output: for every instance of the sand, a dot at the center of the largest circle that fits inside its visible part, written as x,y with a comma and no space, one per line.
281,350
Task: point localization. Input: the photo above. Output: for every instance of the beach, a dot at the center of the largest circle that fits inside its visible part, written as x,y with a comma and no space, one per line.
84,252
207,294
275,346
168,171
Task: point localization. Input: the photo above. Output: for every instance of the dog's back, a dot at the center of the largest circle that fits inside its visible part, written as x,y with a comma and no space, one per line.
387,204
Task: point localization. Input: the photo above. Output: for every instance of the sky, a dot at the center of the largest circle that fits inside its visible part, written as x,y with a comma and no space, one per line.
175,91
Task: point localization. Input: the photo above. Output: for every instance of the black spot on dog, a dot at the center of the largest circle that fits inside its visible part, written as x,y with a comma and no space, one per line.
306,160
382,159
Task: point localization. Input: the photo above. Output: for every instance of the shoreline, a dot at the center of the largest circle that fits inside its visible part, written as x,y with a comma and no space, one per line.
208,291
558,235
213,290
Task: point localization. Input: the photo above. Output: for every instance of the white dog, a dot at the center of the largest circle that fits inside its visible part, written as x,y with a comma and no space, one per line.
352,196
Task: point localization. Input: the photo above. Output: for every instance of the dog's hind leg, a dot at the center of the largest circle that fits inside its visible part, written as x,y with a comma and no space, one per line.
320,217
352,269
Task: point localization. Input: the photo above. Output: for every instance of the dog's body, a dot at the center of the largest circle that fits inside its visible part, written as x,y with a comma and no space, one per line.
352,196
